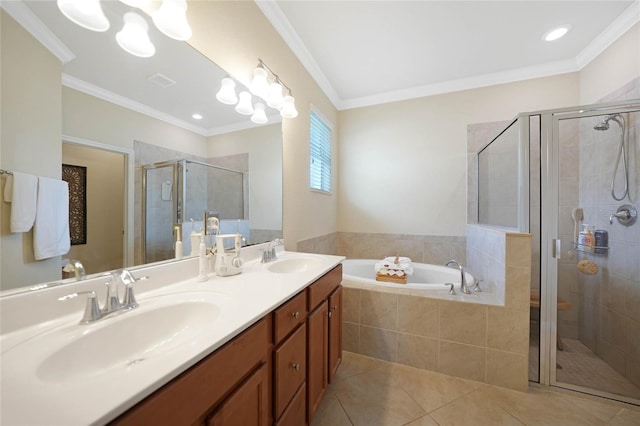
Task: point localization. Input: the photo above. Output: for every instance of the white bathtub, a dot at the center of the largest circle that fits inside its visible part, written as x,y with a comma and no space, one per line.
426,281
424,277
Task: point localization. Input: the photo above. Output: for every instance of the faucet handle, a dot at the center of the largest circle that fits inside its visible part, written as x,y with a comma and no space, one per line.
476,287
129,297
91,309
452,290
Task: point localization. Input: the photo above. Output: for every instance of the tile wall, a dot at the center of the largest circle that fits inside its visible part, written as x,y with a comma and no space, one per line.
479,342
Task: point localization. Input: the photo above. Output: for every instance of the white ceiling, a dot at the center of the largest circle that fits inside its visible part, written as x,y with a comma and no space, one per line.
370,52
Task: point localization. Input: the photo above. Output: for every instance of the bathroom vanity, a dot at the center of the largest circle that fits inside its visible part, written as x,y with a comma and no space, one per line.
258,348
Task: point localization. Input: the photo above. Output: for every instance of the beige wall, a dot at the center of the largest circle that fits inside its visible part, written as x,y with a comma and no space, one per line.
235,35
612,69
105,199
88,117
30,140
403,164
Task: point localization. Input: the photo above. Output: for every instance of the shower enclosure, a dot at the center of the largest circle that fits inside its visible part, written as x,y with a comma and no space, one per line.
178,192
553,173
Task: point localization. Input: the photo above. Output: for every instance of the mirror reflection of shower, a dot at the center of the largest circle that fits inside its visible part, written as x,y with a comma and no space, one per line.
177,193
622,155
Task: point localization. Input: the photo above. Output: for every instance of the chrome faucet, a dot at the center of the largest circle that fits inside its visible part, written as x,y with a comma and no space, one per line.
269,254
77,268
463,282
93,312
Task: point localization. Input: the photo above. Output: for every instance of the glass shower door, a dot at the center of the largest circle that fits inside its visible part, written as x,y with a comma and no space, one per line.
160,197
594,335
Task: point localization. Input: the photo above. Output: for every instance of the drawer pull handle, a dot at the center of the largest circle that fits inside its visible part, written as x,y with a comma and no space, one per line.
334,307
329,314
296,315
296,366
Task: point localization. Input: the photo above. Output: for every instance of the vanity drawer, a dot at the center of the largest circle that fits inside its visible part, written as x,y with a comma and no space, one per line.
295,414
290,361
290,315
321,289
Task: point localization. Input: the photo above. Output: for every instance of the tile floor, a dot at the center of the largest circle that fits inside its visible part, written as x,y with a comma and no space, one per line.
371,392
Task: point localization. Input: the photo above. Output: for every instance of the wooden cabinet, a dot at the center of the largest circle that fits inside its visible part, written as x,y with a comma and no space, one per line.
335,332
275,372
218,379
324,341
247,405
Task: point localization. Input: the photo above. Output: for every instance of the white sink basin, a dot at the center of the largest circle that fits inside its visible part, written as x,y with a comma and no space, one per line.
294,264
130,339
159,328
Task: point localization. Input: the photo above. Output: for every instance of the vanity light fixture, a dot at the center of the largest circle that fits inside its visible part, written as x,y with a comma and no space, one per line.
244,104
227,92
259,116
171,19
86,13
273,93
134,37
556,33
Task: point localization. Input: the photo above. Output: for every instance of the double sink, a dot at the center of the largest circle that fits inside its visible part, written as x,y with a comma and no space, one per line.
172,328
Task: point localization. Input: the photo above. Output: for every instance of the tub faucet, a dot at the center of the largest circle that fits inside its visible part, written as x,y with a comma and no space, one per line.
463,282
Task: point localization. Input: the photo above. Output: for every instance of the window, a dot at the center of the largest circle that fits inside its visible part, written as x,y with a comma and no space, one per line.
320,153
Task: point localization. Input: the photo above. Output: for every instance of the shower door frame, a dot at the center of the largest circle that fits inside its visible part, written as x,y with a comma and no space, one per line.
551,248
175,164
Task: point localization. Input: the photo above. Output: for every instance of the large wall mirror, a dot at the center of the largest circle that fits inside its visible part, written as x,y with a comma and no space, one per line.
147,144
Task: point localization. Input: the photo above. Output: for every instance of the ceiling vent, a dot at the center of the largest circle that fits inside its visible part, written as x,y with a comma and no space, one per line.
161,80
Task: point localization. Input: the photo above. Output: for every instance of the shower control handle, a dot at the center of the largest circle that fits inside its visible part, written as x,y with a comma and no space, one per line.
626,215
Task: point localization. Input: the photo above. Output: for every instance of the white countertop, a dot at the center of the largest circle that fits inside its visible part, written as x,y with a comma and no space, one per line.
33,393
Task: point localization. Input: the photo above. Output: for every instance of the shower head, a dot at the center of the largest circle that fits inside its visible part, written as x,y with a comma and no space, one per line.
604,124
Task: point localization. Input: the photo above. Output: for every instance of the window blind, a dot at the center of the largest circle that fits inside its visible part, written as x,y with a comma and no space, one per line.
320,154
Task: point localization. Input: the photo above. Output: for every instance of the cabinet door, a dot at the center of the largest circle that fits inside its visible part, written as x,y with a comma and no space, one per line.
335,332
317,357
290,366
247,405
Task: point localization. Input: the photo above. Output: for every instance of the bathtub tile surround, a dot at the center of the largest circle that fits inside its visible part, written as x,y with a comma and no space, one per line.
435,249
474,341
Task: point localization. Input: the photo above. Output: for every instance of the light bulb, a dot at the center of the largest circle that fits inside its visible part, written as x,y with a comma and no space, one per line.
259,115
171,19
134,38
275,98
244,105
259,85
227,92
86,13
289,108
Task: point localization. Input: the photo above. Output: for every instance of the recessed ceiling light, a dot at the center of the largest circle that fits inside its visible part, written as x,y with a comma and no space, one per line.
556,33
197,117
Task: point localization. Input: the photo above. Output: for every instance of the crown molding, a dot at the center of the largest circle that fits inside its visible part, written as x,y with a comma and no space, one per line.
614,31
98,92
30,22
279,21
476,82
244,125
617,28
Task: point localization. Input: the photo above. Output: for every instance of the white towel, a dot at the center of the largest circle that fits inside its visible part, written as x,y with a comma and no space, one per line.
51,230
21,190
